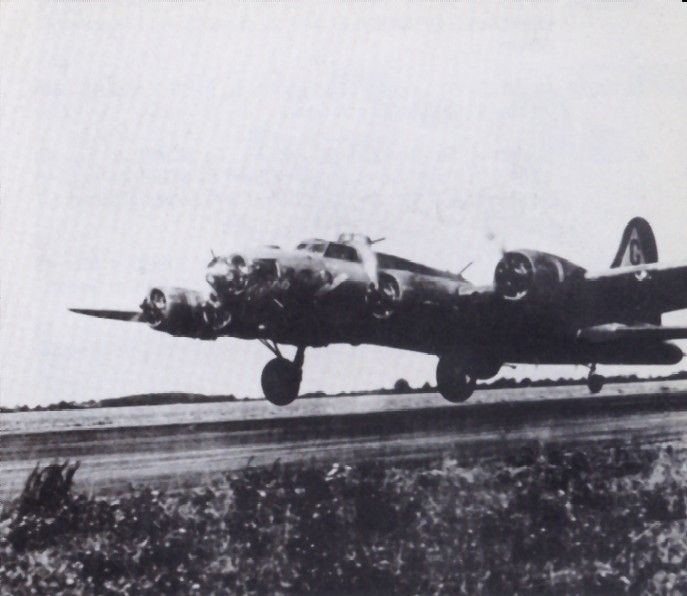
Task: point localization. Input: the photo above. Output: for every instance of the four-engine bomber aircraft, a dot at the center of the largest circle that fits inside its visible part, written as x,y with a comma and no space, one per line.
540,309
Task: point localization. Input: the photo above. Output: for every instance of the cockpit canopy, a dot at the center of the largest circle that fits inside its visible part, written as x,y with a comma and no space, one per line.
331,250
313,245
344,251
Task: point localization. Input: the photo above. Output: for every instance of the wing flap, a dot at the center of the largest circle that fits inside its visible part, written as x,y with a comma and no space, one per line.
114,315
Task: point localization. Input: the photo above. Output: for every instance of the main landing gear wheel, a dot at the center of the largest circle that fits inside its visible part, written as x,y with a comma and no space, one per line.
281,378
595,382
454,381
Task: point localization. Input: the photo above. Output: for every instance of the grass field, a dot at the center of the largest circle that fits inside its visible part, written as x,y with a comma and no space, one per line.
608,519
131,416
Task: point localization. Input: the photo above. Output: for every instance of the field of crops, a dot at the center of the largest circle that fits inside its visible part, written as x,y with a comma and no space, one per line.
603,519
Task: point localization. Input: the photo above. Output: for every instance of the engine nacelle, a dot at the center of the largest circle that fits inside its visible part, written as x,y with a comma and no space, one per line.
176,311
407,289
385,299
526,273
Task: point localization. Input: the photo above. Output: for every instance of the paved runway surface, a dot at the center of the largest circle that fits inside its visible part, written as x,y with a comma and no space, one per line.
173,446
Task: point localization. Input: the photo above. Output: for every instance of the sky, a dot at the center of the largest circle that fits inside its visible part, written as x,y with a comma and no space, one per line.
136,137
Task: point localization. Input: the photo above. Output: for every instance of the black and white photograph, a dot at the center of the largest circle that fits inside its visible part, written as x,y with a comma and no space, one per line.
343,298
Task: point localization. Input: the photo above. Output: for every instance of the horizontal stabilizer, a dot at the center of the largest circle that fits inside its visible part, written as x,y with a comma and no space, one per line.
646,290
618,332
115,315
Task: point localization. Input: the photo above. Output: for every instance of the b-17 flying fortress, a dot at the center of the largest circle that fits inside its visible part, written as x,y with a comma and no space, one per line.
540,309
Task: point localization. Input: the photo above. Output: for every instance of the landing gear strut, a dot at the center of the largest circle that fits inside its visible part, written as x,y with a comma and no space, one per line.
594,382
281,378
455,380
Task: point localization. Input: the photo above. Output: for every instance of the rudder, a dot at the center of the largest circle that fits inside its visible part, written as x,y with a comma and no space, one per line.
638,245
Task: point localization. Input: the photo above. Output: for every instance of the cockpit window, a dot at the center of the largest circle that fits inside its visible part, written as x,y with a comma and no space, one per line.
342,252
316,246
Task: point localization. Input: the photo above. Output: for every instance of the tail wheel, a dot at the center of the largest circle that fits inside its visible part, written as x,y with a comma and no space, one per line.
454,381
281,380
486,367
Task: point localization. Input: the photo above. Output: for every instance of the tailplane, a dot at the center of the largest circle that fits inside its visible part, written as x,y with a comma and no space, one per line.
638,245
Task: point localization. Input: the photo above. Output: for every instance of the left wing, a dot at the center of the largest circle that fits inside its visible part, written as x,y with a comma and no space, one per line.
177,311
115,315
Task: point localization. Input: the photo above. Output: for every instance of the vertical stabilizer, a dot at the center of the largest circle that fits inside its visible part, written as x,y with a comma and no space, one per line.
638,245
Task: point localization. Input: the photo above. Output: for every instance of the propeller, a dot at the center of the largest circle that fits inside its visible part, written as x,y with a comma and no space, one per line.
331,284
363,244
513,276
216,315
153,307
464,269
370,263
384,292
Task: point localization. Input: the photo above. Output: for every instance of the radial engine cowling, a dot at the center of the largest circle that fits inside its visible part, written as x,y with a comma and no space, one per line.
385,298
176,311
526,273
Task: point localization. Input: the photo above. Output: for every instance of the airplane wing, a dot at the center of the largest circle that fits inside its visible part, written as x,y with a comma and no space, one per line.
654,287
611,332
115,315
178,311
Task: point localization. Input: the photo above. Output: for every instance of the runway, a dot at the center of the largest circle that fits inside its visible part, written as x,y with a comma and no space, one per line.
167,453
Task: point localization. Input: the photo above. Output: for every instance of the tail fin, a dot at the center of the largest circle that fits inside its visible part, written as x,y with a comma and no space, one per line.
638,245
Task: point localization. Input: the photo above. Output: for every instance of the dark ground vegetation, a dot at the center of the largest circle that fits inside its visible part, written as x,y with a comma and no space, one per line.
605,519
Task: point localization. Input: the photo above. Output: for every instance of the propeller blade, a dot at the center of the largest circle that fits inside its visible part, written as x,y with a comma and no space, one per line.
464,269
336,282
115,315
370,262
368,257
